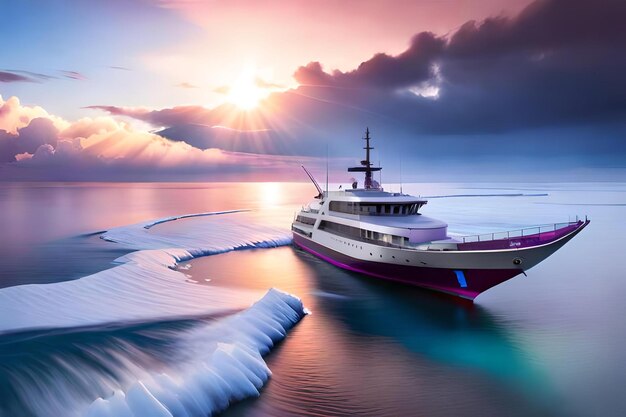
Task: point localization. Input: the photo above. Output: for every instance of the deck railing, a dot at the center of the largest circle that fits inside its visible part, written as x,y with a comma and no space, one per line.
528,231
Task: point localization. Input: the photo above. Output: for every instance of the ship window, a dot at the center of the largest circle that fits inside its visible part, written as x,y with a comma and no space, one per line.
360,234
305,220
374,209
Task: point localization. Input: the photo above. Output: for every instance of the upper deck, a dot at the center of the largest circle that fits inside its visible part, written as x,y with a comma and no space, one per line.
371,196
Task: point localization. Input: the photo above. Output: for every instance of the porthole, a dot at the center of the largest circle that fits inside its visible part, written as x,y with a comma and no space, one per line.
381,256
393,256
517,261
371,254
407,260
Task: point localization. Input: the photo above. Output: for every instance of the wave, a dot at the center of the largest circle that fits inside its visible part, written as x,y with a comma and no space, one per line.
145,285
227,366
152,223
218,232
227,363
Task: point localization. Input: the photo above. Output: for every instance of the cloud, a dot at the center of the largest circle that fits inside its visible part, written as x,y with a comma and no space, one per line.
258,81
11,77
73,75
382,70
545,88
222,89
8,76
14,115
546,85
34,75
186,85
261,83
49,148
557,63
542,26
39,131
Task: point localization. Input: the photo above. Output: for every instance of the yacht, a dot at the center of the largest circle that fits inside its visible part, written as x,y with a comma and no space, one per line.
383,235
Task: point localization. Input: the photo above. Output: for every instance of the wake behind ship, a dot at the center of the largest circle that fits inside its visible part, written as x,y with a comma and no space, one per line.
383,235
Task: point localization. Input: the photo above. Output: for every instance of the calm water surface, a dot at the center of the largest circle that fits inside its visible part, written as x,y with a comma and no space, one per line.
547,344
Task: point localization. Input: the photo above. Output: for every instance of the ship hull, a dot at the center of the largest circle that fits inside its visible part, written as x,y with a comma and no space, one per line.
438,279
470,272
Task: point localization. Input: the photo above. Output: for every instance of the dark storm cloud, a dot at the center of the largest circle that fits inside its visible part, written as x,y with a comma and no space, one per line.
382,70
543,25
558,62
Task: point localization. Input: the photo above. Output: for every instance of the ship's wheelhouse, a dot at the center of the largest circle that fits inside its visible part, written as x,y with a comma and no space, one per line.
376,208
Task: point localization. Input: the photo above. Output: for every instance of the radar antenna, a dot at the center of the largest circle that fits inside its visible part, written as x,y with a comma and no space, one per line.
366,165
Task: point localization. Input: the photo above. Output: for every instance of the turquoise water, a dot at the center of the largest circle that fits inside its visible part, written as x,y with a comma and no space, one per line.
547,344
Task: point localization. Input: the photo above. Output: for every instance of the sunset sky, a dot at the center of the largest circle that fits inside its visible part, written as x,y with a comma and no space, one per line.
228,90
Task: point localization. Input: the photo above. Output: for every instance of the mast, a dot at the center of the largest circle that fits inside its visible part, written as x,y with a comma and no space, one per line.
326,168
368,148
366,165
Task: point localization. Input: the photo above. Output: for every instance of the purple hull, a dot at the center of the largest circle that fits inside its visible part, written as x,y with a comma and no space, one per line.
439,279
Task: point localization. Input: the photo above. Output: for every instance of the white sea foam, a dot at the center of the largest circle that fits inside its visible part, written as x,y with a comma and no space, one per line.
225,365
151,223
213,233
145,286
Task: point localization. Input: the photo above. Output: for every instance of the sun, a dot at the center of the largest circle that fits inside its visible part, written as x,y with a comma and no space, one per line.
245,92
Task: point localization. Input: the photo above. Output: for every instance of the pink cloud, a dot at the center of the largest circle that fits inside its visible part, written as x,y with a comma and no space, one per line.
14,115
23,156
102,148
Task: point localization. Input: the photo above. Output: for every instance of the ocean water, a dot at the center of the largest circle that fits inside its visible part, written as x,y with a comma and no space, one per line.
547,344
